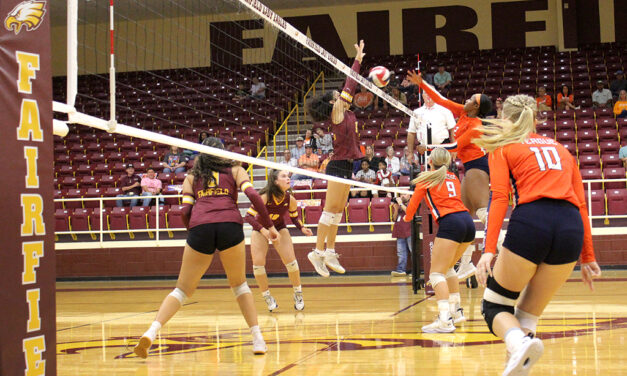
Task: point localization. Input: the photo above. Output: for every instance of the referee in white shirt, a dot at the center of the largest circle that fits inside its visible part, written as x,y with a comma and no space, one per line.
434,116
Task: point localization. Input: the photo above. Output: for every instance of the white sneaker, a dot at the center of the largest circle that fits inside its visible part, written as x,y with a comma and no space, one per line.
299,303
331,260
466,271
272,305
259,345
318,263
142,347
398,274
520,362
439,326
458,316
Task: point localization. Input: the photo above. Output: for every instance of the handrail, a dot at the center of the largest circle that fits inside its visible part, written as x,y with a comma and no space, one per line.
312,87
284,124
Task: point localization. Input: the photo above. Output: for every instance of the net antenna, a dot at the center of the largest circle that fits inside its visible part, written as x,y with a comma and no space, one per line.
112,119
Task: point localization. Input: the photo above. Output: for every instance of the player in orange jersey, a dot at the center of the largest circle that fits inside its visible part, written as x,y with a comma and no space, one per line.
475,191
456,231
547,230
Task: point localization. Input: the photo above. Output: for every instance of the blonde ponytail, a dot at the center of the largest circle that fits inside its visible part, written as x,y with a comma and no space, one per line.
519,120
441,160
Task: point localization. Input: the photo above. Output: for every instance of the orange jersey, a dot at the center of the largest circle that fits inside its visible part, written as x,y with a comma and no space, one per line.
465,130
538,168
442,199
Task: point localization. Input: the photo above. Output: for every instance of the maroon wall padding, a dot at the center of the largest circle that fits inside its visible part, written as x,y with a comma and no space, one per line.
27,342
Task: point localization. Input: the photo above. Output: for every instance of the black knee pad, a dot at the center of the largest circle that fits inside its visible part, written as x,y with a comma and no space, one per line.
497,299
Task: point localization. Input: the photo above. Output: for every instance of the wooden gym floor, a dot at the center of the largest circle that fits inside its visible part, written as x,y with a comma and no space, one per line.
351,325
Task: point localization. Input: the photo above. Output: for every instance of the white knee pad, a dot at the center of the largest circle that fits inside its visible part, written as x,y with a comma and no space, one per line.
337,219
326,218
241,289
259,270
292,266
450,273
435,278
179,295
482,214
526,320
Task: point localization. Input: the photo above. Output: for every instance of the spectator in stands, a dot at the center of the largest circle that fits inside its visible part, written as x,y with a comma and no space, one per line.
288,160
151,186
299,149
565,99
202,136
323,166
366,175
408,88
622,154
308,161
442,80
620,107
497,110
324,141
430,116
402,233
373,161
396,94
240,93
384,179
601,97
310,140
618,84
174,160
364,99
130,184
392,161
258,89
544,101
407,162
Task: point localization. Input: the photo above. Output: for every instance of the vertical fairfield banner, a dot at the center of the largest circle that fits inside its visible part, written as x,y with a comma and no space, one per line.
27,264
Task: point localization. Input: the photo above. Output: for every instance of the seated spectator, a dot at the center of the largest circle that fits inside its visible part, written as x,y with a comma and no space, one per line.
622,154
496,110
601,97
545,103
202,136
308,161
369,156
240,93
288,160
174,160
366,175
618,84
565,99
405,166
442,79
620,107
396,94
364,99
392,161
298,150
408,88
130,184
258,89
323,165
310,140
384,179
323,141
151,186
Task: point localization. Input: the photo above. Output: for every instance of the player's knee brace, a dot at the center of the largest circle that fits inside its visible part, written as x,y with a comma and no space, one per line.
526,320
241,289
497,299
450,273
326,218
435,278
179,295
337,219
292,266
259,270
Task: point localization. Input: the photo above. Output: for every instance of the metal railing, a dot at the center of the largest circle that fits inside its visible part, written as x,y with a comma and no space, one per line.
312,89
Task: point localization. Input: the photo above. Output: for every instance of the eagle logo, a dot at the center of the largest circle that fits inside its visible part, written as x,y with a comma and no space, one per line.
28,13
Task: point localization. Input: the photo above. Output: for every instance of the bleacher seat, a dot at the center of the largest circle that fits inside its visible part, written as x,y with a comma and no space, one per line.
61,220
589,161
312,214
617,201
80,219
598,201
611,160
614,173
319,184
111,192
380,209
358,210
590,174
117,218
152,218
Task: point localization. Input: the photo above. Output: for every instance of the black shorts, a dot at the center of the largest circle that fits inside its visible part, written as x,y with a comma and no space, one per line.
208,237
278,226
340,168
480,163
546,230
457,227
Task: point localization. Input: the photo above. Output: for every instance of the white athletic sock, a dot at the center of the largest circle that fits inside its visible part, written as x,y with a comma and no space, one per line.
152,331
265,293
467,256
454,300
255,331
443,308
298,288
331,250
319,252
513,338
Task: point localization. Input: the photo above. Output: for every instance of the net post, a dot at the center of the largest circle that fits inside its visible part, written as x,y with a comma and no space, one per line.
72,52
112,123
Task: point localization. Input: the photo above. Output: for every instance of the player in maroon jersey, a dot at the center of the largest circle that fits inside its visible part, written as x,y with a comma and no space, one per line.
278,202
345,150
214,222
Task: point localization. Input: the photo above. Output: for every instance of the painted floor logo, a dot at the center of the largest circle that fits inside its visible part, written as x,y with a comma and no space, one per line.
473,336
28,13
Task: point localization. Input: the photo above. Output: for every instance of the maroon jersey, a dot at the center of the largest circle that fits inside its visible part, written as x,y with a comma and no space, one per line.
276,209
345,140
217,202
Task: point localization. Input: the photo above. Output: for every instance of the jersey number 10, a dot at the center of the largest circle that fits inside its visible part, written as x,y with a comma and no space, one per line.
547,157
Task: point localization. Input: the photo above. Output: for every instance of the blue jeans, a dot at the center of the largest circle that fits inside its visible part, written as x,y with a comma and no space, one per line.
176,171
121,203
146,201
403,247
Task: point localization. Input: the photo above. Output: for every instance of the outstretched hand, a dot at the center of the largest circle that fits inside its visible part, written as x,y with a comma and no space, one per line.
415,78
590,271
484,268
359,48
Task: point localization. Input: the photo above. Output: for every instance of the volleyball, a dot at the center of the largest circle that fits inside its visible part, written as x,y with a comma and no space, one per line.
380,76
